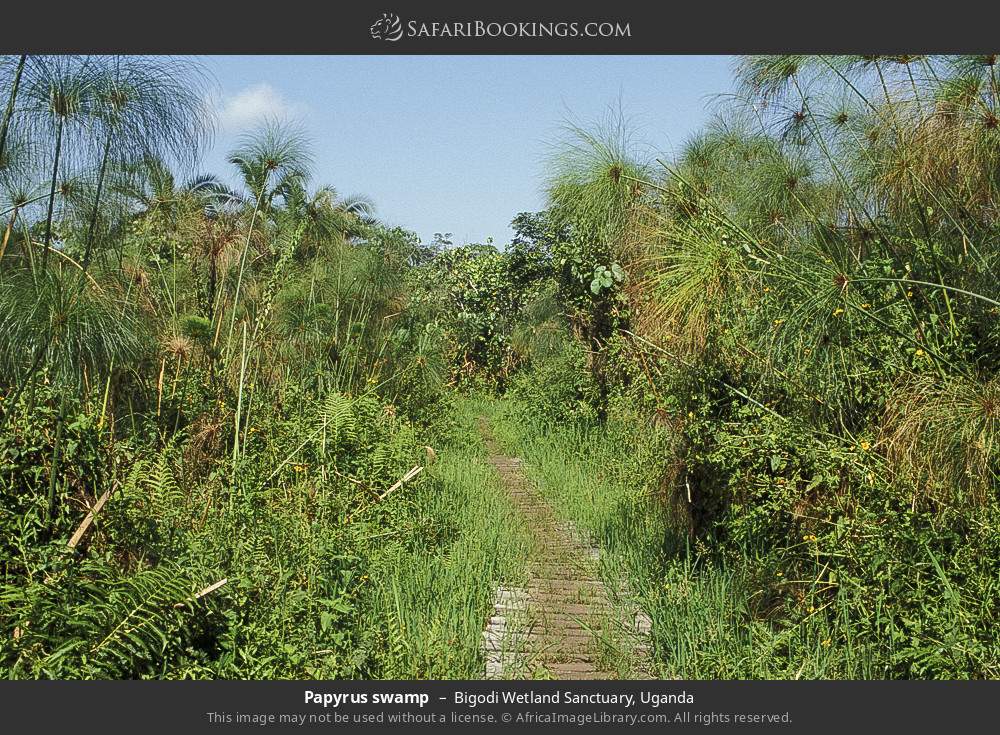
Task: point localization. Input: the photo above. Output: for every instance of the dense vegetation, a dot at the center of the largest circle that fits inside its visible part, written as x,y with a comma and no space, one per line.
239,424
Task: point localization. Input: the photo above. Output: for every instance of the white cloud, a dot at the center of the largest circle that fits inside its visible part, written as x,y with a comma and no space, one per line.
252,105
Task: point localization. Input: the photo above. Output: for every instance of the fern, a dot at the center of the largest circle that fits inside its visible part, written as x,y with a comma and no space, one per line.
337,417
154,479
153,500
135,619
381,463
93,624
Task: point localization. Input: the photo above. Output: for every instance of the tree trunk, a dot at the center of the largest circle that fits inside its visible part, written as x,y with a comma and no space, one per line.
52,193
56,457
88,249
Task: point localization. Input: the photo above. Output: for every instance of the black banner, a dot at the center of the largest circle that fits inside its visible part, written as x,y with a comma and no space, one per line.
508,28
538,706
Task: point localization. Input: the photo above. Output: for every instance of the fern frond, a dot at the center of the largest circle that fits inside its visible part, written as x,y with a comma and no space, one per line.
337,416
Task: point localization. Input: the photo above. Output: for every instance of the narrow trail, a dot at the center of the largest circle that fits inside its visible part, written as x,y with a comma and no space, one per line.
562,625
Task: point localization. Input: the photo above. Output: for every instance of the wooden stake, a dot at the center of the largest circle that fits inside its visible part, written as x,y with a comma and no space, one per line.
206,591
411,473
159,385
88,519
211,588
414,471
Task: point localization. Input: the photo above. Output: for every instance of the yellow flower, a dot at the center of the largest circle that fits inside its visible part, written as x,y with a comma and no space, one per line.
838,312
826,643
909,294
766,289
919,353
778,321
866,306
812,609
690,414
864,445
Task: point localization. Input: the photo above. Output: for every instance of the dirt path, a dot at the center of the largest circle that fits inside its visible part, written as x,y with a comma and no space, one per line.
562,625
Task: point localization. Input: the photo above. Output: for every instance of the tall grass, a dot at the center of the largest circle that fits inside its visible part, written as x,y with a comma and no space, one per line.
605,486
742,615
432,600
761,377
807,311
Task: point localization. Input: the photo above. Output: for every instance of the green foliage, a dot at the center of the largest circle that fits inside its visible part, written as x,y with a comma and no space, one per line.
308,544
760,376
96,624
558,389
77,329
478,292
809,314
196,328
215,395
27,446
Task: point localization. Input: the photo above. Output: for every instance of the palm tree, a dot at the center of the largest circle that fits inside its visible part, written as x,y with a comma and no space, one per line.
327,218
270,157
267,161
151,189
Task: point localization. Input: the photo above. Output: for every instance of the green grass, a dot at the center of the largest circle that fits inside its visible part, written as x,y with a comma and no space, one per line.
434,599
711,619
587,477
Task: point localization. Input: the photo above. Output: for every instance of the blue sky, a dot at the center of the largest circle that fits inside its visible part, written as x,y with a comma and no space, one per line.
455,143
